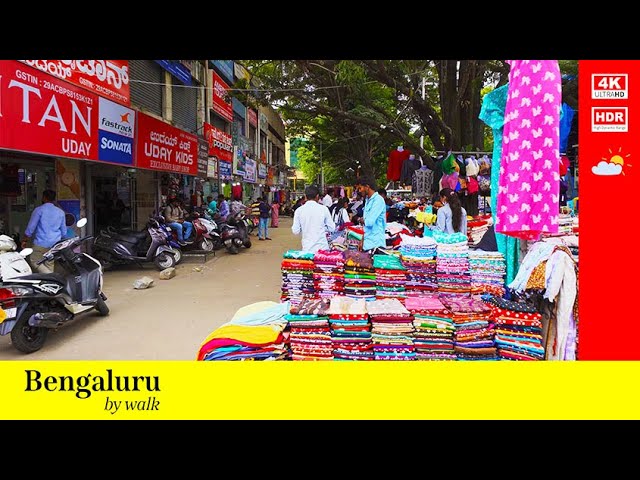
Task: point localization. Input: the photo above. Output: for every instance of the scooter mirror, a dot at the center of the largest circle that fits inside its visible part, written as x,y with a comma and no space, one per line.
26,252
81,223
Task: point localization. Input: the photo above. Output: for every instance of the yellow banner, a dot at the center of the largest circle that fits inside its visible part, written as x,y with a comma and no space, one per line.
319,390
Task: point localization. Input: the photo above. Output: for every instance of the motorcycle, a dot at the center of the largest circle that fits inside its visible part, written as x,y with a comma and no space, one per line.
144,247
39,302
125,249
234,234
12,264
204,231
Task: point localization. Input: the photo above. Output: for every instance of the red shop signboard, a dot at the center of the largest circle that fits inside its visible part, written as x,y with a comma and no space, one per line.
220,105
253,117
107,78
41,114
163,147
220,143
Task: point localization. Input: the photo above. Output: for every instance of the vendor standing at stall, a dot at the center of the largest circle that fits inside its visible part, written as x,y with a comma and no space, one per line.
374,216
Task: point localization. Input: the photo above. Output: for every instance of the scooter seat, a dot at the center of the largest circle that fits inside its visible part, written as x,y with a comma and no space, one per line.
133,237
55,277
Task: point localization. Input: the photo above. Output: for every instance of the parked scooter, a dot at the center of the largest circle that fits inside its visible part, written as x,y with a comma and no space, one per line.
126,249
39,302
144,247
12,264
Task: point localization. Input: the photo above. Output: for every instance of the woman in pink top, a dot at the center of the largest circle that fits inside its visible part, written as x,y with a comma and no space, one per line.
275,214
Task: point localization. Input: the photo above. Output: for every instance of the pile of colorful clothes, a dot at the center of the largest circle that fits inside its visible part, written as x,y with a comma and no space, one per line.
488,270
329,273
297,276
452,262
355,236
392,330
476,229
418,256
359,275
350,329
474,339
256,332
310,335
391,277
518,329
434,329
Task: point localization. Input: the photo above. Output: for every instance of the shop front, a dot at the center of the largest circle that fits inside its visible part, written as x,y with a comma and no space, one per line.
219,160
51,131
172,158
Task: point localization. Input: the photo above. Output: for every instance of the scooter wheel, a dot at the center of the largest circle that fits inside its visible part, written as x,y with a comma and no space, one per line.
177,253
164,261
232,249
206,245
102,307
24,337
247,244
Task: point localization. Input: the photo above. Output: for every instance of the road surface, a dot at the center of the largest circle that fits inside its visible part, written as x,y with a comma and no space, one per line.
170,320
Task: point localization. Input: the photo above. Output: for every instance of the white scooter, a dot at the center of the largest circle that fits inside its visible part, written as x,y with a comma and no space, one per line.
12,264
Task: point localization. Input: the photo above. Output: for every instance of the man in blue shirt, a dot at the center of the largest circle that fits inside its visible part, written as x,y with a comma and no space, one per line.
223,207
47,226
375,212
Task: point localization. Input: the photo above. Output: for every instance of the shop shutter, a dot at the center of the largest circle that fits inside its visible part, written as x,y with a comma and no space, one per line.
147,95
184,103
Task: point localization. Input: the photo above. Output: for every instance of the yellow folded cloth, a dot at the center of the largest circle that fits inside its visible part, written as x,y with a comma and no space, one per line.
259,335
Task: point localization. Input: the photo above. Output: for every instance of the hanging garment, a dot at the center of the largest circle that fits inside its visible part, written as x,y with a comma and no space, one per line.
462,166
562,284
571,192
528,187
566,121
422,182
236,191
408,167
492,113
472,166
396,159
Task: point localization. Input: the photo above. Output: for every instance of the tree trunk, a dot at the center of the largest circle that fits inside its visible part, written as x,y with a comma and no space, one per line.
448,70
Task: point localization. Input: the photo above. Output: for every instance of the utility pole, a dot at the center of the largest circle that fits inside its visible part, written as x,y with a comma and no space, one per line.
321,171
423,98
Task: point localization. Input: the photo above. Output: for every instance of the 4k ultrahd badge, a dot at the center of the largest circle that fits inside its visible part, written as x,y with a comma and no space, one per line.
115,133
609,86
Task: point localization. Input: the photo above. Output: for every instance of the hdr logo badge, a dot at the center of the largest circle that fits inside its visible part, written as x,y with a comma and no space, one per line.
609,119
115,132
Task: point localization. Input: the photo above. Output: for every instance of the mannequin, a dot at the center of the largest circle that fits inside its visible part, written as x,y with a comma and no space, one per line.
409,166
396,159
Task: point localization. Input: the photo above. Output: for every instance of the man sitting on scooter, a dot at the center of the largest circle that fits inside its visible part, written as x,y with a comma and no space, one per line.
174,215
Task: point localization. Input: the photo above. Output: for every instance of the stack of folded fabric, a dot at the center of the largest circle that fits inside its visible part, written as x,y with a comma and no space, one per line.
452,262
359,275
565,224
476,229
297,276
256,332
391,277
350,329
310,336
354,237
488,270
392,330
418,256
474,339
518,328
329,273
434,330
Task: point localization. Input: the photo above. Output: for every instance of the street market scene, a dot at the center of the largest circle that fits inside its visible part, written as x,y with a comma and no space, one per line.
294,210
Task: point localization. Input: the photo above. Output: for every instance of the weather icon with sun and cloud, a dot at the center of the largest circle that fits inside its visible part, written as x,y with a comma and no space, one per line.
612,165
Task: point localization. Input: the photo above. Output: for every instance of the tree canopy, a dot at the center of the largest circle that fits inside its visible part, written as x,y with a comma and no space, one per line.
353,112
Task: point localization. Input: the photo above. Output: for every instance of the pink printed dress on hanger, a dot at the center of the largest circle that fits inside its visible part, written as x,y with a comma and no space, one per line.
529,183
